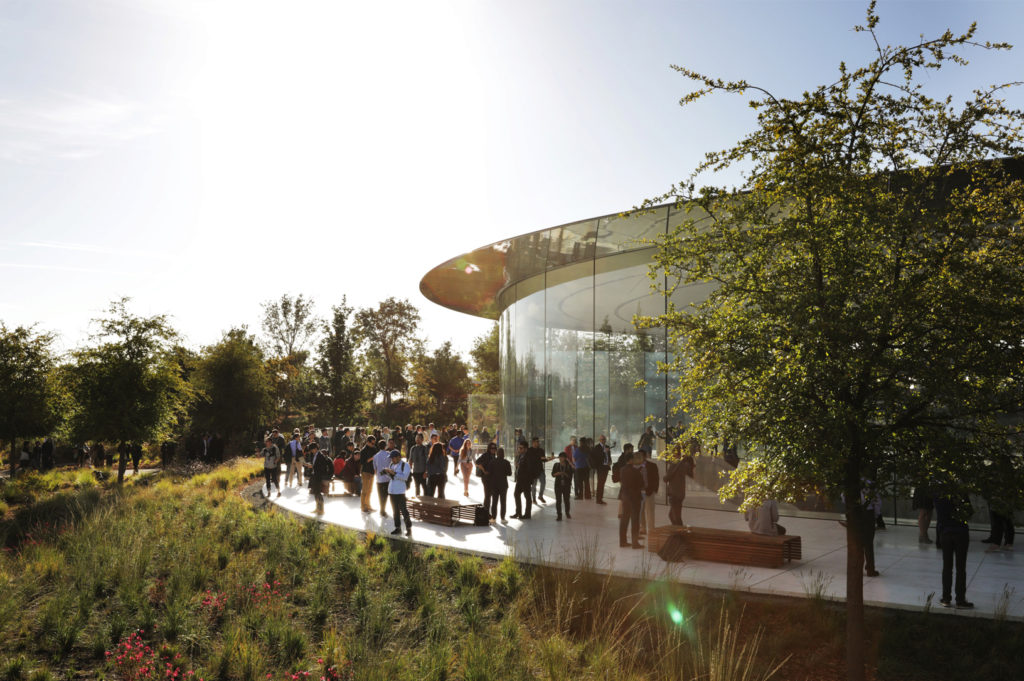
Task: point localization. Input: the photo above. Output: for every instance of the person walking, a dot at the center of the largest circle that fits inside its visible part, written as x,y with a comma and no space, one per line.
466,464
498,472
271,465
632,485
366,473
562,473
399,472
455,448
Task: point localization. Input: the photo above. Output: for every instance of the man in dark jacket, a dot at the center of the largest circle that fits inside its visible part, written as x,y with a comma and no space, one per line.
632,485
483,462
524,481
498,472
563,474
601,463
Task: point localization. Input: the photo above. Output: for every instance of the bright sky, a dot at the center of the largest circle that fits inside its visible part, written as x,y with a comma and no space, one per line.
204,156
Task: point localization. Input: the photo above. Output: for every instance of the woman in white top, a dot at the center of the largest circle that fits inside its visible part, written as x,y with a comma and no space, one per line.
466,464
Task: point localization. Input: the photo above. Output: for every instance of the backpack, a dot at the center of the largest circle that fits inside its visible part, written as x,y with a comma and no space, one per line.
323,467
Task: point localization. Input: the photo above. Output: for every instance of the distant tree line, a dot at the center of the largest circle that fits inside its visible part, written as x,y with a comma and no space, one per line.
135,381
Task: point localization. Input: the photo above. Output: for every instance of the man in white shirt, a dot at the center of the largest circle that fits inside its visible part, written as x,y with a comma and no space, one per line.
381,465
399,472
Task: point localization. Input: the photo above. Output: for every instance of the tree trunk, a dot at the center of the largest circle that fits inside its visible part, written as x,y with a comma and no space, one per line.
855,517
14,460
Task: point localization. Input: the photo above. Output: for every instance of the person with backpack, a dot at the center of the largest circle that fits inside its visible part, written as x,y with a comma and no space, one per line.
399,473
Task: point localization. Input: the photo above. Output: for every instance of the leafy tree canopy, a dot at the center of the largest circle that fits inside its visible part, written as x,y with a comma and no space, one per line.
867,316
28,389
341,392
388,338
289,326
484,354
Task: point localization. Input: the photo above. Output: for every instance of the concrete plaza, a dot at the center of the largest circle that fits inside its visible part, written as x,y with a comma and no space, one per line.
910,572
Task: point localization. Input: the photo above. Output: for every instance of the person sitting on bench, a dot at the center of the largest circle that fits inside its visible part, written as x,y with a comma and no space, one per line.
765,519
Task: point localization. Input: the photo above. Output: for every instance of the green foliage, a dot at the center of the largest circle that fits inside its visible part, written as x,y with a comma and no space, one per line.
388,340
341,396
865,303
29,390
289,325
440,385
484,355
127,386
235,385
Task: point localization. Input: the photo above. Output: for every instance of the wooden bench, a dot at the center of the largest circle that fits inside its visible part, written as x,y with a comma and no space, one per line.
729,546
442,511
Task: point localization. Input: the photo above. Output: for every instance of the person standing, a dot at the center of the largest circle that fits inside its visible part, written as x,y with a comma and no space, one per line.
321,468
454,448
366,474
602,461
483,463
525,476
675,485
271,465
652,481
951,529
632,486
563,474
922,501
540,482
294,458
437,469
498,472
466,464
381,463
398,472
418,462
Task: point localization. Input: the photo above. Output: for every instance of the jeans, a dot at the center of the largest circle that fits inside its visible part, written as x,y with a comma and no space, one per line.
581,476
537,488
602,478
630,518
420,481
498,495
562,494
273,475
401,510
954,549
523,489
435,485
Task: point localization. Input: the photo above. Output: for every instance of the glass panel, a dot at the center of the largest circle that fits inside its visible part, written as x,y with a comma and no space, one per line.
530,356
571,243
624,233
570,358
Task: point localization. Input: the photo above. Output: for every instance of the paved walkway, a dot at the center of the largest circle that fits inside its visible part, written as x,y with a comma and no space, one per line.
911,573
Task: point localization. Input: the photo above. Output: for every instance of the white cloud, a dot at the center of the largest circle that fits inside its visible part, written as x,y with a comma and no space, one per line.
69,126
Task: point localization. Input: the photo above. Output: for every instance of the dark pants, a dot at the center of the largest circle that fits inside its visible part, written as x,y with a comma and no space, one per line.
420,482
1002,529
498,495
435,485
630,518
562,496
602,477
317,487
273,475
487,493
523,489
675,509
867,537
581,476
401,510
954,547
382,495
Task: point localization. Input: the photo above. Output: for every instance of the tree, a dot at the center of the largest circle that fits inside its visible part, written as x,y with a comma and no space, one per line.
289,325
441,385
28,389
341,392
485,361
234,385
387,336
128,386
869,312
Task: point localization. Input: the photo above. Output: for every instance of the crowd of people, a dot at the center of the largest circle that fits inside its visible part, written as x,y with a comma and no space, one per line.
415,460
